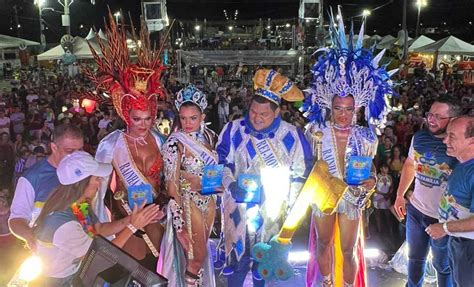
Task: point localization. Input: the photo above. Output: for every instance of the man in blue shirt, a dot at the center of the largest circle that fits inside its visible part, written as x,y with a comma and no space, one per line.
35,185
456,209
429,165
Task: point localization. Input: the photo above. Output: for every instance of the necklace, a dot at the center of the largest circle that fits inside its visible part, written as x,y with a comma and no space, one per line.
138,140
81,212
337,127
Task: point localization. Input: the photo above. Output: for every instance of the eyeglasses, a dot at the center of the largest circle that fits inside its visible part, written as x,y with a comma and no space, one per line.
340,110
436,116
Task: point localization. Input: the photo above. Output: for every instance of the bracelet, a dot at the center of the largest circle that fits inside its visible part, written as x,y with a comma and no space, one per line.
132,228
445,228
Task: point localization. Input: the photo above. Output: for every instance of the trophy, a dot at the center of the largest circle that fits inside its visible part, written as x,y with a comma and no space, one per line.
119,195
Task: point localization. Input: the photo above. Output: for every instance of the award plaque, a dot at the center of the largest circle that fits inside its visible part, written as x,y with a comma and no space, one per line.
212,178
358,169
137,194
253,188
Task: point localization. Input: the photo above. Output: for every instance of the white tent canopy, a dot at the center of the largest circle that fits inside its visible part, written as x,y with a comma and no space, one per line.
14,42
92,35
419,42
385,42
448,46
389,41
80,49
376,37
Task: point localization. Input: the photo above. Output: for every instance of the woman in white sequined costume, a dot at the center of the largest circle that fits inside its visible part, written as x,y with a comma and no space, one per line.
187,261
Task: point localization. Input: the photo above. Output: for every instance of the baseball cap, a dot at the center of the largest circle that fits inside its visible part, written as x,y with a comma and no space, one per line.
79,165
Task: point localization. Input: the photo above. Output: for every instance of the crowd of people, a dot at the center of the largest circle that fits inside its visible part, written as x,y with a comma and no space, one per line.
66,168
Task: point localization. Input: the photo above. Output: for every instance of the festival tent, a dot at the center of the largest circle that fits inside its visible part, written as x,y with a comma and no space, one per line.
389,43
80,49
14,42
92,35
386,42
447,46
419,42
376,37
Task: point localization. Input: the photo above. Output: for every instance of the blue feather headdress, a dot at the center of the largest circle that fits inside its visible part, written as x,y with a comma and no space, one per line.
348,69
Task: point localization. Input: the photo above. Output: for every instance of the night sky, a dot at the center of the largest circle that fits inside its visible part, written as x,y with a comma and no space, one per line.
449,16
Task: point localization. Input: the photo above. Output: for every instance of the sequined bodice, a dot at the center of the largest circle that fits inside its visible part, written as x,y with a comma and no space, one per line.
192,165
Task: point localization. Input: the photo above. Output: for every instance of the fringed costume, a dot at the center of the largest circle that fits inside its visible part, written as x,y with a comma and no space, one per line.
345,69
187,152
280,155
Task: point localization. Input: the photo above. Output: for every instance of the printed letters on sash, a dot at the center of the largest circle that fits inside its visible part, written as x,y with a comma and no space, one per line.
123,162
266,153
198,149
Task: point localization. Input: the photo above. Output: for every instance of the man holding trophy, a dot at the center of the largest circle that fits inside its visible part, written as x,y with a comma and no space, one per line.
265,162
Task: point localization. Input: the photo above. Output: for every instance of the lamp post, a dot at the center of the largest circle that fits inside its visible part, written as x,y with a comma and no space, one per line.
365,13
40,4
66,20
419,5
117,16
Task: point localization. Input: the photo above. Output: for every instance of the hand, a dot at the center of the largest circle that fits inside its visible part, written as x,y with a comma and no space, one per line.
30,243
142,215
400,207
159,216
436,231
219,189
369,183
236,191
194,180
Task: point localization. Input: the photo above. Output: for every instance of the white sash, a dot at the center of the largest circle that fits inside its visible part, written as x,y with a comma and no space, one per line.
125,166
329,153
197,148
355,146
266,152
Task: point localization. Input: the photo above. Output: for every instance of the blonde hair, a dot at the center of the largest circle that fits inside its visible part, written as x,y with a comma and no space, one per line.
61,198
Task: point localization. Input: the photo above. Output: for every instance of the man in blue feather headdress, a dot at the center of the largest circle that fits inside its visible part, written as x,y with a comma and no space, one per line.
346,78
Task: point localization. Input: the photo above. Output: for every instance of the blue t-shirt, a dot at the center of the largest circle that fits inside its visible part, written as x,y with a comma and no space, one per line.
461,184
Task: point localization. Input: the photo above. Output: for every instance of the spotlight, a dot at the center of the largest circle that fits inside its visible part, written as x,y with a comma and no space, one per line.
371,253
366,12
298,257
29,270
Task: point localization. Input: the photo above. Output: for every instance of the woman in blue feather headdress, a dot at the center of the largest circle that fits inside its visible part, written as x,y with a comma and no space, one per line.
346,77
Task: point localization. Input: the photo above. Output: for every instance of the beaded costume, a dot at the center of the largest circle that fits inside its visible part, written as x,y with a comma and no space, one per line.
281,150
346,69
191,151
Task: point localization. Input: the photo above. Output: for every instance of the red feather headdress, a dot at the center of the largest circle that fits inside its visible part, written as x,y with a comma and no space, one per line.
129,85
